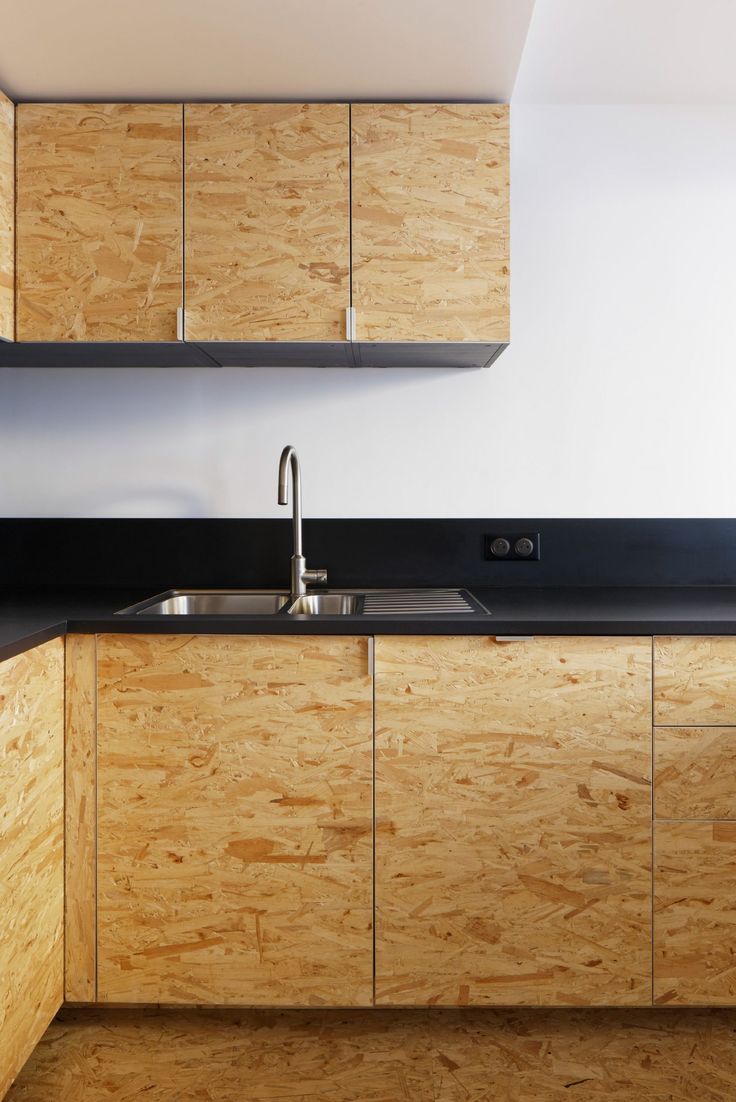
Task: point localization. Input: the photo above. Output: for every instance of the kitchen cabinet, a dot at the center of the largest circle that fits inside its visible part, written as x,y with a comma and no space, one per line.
695,680
7,219
99,221
513,821
287,233
267,221
31,851
234,820
695,907
695,772
430,222
695,825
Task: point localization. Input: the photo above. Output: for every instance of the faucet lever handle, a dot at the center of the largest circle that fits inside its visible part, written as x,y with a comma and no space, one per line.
315,577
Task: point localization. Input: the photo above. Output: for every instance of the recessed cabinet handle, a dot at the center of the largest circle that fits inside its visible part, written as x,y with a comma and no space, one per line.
180,323
350,324
513,638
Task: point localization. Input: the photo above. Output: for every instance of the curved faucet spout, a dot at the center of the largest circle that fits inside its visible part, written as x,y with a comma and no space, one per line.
289,461
300,576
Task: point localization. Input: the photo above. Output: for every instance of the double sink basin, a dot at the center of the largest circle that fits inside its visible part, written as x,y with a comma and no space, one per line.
261,602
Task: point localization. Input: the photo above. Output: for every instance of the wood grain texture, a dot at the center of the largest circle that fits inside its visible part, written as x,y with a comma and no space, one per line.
695,913
695,680
392,1056
513,821
80,855
31,851
99,229
234,820
267,221
430,206
7,218
695,772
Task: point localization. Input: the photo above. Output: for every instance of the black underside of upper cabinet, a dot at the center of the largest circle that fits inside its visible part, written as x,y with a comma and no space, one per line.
103,354
125,354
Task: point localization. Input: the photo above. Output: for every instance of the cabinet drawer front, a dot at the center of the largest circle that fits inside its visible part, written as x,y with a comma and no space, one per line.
234,820
513,821
695,772
695,904
695,681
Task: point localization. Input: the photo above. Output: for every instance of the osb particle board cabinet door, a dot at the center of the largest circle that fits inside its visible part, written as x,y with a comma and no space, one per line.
695,913
430,221
7,219
695,681
267,221
234,820
99,221
513,821
31,851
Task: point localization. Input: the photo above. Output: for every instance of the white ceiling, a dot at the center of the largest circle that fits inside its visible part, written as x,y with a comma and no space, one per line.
630,51
577,51
261,49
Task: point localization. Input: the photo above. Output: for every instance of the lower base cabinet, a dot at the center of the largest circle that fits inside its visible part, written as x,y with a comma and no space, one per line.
513,821
695,913
695,821
31,851
235,829
234,820
261,798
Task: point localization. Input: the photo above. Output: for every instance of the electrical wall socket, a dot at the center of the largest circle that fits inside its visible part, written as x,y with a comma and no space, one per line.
511,547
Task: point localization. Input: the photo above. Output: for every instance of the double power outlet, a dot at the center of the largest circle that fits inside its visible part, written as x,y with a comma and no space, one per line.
512,547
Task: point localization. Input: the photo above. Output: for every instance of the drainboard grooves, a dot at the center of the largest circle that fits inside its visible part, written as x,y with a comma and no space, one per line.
415,603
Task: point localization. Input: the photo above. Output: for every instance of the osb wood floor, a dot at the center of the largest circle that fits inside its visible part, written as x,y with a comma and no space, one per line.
384,1056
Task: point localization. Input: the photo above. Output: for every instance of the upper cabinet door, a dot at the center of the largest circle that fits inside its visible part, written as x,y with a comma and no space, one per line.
99,221
430,222
7,218
267,221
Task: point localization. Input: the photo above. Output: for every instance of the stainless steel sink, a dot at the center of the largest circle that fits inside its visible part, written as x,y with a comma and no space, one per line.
388,603
211,602
325,604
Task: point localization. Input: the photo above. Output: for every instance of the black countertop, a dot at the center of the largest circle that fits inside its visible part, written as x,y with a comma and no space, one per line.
30,617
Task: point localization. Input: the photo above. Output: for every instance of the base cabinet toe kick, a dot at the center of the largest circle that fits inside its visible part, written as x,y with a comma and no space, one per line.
316,821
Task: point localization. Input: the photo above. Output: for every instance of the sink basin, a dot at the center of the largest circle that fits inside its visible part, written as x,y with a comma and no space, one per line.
213,602
325,604
270,602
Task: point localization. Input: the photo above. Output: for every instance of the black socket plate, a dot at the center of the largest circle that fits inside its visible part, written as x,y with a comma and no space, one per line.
513,538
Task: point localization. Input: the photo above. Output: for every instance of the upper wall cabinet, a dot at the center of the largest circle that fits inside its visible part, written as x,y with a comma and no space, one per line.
430,222
7,218
267,221
99,222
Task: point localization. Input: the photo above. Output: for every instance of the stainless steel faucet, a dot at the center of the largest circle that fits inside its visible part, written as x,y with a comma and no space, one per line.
300,576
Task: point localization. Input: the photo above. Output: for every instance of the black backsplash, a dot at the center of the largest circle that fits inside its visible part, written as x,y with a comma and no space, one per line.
157,554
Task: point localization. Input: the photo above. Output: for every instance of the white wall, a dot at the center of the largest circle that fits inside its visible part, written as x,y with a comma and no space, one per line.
616,397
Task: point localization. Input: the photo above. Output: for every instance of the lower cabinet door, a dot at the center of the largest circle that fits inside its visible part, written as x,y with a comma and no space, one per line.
695,913
235,820
31,851
513,821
